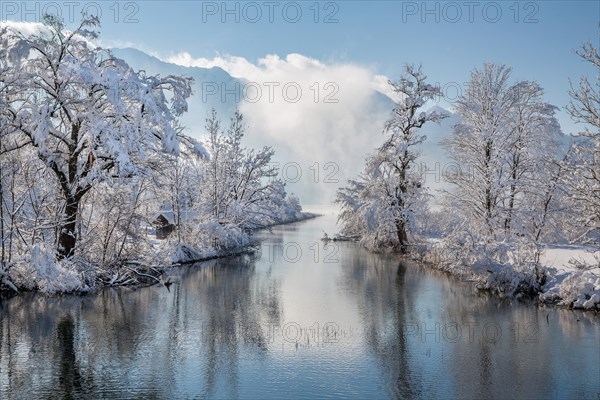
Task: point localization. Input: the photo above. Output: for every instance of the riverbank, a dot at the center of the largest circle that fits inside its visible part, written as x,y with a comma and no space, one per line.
187,254
566,276
44,273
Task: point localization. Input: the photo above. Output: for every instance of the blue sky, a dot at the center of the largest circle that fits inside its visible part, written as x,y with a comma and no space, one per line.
536,38
449,38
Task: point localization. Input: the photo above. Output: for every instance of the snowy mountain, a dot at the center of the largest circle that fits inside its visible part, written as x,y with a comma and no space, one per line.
319,145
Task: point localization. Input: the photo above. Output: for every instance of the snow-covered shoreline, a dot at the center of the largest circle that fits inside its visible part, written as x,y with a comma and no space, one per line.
69,276
560,278
199,256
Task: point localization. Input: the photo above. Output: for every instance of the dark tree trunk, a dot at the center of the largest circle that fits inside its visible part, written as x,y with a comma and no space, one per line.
400,223
402,237
2,224
67,238
511,205
68,233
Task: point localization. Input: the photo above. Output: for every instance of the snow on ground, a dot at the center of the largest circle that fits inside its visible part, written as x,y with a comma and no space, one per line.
560,257
568,284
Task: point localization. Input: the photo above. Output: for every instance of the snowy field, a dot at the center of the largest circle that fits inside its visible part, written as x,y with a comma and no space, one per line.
562,257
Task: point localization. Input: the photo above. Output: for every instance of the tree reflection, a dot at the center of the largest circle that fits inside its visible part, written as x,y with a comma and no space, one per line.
70,377
503,347
377,282
237,307
151,341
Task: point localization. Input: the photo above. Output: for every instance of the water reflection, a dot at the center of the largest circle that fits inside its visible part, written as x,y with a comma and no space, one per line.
143,342
378,283
436,338
268,326
70,377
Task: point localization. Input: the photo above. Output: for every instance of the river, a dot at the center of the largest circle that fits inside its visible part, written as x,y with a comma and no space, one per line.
298,319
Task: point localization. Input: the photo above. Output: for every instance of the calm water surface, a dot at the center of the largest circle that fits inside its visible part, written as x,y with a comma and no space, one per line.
299,319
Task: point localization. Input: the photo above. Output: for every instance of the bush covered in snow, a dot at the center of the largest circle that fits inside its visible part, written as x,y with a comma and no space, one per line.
41,270
577,289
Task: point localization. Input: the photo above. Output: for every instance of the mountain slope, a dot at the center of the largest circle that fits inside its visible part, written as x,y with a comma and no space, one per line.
204,78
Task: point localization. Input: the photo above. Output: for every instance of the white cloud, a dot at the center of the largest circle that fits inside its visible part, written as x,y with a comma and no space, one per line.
25,28
310,112
237,67
381,84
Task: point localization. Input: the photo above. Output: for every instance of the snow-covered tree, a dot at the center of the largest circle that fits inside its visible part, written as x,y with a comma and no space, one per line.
241,184
370,207
215,171
479,144
583,179
87,116
508,145
379,207
531,164
113,215
250,175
